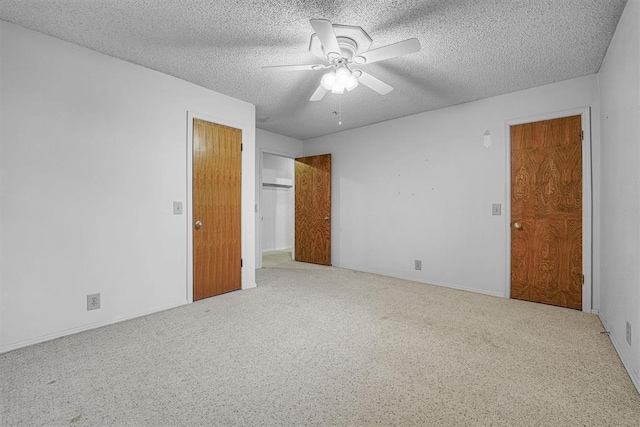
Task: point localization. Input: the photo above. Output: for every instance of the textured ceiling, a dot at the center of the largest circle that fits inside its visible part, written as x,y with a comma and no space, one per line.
471,49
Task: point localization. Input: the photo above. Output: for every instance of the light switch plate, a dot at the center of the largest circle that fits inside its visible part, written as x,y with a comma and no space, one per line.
496,209
177,208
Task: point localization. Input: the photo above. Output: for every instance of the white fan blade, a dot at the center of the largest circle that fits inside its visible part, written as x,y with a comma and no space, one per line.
318,94
324,30
376,84
310,67
389,51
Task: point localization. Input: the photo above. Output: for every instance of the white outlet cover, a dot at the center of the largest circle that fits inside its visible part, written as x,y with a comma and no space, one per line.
93,301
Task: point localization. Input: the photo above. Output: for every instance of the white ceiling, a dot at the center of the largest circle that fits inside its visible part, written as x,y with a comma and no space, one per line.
471,49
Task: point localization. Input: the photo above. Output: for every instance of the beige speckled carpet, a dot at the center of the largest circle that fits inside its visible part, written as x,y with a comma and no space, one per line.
327,346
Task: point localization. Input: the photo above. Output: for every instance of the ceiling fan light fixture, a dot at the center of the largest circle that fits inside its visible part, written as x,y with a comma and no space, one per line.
328,80
339,80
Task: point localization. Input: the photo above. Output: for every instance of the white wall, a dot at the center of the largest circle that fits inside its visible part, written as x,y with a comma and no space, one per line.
421,187
94,152
619,80
271,143
276,213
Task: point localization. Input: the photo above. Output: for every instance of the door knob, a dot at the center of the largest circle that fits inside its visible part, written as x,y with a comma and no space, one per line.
517,225
326,218
198,224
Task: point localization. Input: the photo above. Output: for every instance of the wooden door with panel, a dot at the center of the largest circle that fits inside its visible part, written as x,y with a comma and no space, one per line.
217,173
313,209
546,212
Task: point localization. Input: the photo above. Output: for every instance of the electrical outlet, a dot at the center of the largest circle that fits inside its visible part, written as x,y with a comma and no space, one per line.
629,333
418,264
93,302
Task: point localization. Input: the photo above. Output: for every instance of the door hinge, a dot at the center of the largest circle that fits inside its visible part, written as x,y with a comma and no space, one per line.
582,135
240,262
241,147
582,278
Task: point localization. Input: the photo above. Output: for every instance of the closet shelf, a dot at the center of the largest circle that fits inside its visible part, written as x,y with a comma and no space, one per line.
271,184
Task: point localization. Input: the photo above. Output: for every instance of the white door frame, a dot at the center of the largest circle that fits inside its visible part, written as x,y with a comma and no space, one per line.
587,204
191,115
263,151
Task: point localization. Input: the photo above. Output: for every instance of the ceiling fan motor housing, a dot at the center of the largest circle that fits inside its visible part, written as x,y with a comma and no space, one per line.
352,40
348,48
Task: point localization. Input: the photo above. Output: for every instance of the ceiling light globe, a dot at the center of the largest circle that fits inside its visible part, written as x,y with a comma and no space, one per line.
342,76
337,89
328,80
352,83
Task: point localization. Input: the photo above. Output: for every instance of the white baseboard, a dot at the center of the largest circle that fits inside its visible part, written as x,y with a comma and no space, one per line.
625,362
251,286
71,331
412,279
266,251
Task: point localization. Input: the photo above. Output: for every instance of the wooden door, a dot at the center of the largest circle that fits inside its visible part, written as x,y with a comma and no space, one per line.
313,209
217,163
546,212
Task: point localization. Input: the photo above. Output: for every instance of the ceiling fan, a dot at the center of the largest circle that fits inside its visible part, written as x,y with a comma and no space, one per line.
341,48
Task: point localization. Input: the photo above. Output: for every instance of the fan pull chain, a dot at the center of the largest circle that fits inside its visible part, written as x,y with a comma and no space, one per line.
338,110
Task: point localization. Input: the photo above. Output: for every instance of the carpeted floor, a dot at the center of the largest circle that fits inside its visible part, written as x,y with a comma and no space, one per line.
283,259
327,346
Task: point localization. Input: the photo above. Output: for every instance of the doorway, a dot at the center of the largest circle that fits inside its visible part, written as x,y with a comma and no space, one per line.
277,207
550,222
305,182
